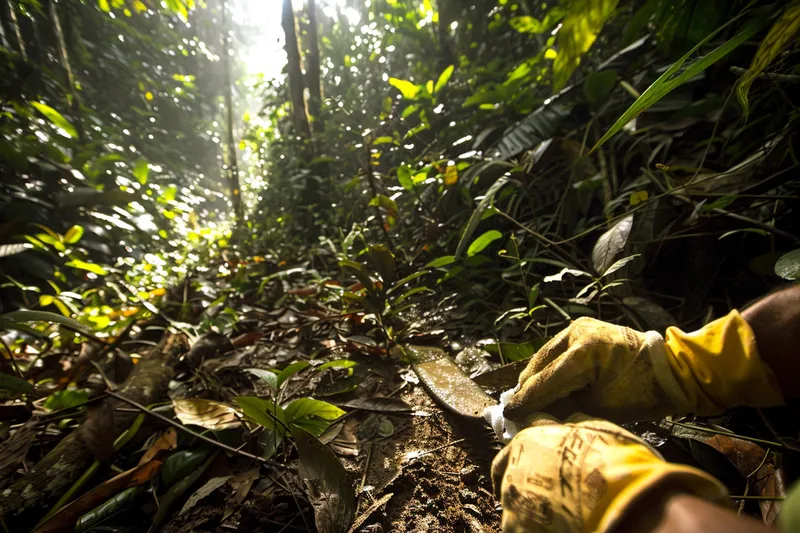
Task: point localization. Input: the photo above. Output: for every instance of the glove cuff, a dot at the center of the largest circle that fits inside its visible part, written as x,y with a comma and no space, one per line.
718,366
640,474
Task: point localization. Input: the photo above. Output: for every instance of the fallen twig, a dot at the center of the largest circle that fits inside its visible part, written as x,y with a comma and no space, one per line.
193,433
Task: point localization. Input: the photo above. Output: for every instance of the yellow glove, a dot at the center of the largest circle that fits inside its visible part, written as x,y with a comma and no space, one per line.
618,373
584,476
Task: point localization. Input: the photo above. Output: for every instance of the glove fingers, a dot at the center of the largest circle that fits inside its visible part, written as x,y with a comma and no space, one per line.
499,466
568,374
559,344
546,355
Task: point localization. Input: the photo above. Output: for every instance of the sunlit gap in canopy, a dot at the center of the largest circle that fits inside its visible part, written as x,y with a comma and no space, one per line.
263,53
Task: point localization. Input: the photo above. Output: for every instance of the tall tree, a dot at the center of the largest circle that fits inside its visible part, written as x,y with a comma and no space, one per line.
233,167
296,85
314,82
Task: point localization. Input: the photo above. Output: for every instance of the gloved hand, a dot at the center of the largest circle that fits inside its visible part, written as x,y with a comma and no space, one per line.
618,373
584,476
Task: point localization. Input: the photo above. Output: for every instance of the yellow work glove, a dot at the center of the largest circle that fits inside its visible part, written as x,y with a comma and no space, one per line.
618,373
584,476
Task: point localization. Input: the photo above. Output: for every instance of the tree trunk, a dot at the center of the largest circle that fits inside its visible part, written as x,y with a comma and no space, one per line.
14,20
29,498
72,100
233,167
296,85
314,81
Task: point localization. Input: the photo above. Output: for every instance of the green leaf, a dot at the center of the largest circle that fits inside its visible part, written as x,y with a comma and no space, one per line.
578,32
779,37
103,5
14,384
598,85
560,275
334,508
383,261
181,464
290,371
441,261
444,77
66,398
269,377
305,407
257,409
44,316
406,88
404,177
141,171
90,267
788,266
674,77
382,140
539,126
533,295
475,218
619,264
73,234
483,241
338,363
610,244
510,351
56,118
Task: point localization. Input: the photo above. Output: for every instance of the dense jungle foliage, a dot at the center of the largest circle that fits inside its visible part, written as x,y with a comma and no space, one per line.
435,171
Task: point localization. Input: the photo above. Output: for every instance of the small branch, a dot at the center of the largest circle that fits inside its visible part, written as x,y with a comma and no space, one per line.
788,78
183,428
729,434
759,498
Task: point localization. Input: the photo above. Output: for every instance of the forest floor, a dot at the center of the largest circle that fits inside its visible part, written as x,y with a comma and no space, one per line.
406,464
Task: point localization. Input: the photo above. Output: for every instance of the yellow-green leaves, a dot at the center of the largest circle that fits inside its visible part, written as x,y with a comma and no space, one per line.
781,34
104,5
141,171
483,241
583,22
67,129
89,267
73,234
406,88
444,77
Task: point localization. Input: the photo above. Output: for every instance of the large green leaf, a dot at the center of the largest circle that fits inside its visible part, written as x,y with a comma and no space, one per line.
89,267
290,371
56,118
444,77
407,89
14,384
539,126
674,77
482,241
475,219
305,407
578,32
780,35
43,316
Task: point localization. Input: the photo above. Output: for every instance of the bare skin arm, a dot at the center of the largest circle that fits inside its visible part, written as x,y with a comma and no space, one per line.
683,513
775,320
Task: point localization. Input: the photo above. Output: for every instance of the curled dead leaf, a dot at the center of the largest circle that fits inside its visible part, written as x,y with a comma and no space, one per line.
207,414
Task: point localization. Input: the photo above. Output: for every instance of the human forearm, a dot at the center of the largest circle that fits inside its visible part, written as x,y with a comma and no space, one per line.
775,321
679,512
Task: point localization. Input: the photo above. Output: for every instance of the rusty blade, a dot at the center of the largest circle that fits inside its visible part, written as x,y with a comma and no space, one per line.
447,383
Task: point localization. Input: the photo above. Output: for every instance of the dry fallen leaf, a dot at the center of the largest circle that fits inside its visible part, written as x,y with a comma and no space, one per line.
166,441
207,414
